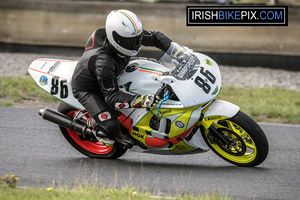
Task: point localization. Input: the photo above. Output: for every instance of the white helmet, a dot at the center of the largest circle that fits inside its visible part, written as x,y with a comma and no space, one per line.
124,31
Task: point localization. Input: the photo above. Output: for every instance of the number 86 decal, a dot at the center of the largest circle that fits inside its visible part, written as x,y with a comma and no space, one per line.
55,83
203,83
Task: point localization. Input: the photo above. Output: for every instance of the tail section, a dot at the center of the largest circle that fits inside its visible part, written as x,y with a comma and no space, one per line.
54,76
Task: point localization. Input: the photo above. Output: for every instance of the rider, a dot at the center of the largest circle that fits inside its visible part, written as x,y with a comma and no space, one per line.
107,52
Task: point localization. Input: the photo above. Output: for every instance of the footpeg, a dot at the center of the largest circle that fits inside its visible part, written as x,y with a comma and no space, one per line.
103,138
127,143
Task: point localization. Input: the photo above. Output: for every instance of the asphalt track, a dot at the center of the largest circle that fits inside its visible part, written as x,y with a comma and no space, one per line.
35,150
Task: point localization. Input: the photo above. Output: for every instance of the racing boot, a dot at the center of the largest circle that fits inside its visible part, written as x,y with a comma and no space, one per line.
102,137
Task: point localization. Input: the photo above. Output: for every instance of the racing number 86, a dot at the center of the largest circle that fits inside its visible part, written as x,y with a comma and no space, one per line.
203,83
55,87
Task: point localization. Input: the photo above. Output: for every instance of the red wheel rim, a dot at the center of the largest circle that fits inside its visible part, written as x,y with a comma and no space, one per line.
96,148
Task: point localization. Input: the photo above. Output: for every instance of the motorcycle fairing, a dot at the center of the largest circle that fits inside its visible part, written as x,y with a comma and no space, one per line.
54,76
219,110
139,79
202,87
173,136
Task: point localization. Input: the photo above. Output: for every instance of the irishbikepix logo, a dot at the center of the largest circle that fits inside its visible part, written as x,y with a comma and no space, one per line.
237,15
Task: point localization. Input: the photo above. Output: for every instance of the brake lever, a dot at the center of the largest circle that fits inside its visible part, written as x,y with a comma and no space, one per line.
166,97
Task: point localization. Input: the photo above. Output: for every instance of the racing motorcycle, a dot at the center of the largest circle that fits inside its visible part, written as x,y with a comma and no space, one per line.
188,120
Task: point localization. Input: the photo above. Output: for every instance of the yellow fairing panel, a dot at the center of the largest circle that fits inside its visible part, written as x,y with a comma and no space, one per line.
182,121
181,147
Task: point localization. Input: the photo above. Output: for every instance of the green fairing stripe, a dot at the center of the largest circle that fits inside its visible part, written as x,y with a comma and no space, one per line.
151,70
129,20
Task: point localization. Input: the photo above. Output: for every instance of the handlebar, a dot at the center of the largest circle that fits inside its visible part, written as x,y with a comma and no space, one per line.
164,95
160,92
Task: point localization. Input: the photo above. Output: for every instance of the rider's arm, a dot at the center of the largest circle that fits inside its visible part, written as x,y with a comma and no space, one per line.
163,42
156,39
105,71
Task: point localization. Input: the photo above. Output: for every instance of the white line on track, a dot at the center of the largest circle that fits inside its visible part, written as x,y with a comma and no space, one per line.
278,124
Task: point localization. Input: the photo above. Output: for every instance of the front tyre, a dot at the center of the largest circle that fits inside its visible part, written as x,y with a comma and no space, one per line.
90,148
246,146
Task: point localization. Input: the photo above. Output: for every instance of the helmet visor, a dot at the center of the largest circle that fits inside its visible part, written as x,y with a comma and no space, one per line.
130,43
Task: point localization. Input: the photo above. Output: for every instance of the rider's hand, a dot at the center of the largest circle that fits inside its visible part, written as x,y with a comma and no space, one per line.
184,58
145,101
181,59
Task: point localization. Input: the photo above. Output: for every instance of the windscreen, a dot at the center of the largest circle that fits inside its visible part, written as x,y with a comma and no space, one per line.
193,84
181,69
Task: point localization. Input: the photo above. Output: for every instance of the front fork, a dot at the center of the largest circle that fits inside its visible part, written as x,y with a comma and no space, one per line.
213,112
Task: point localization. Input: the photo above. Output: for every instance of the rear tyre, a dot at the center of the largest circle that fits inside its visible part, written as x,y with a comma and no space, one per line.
90,148
248,145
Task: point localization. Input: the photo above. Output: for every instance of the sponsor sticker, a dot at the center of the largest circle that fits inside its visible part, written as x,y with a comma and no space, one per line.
214,118
179,124
132,67
54,67
215,91
43,65
43,80
181,147
142,136
126,86
208,62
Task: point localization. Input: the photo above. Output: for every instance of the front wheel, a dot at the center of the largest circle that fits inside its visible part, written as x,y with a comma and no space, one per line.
91,148
246,144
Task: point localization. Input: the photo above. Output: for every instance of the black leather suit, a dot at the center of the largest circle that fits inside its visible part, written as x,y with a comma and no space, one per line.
94,81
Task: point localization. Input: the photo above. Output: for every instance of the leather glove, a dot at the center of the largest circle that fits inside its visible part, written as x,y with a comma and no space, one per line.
179,54
181,59
145,101
184,58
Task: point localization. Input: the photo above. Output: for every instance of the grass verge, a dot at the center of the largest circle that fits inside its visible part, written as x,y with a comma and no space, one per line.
263,104
91,192
17,89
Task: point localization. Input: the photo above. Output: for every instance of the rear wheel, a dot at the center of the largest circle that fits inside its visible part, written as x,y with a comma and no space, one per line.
246,144
90,146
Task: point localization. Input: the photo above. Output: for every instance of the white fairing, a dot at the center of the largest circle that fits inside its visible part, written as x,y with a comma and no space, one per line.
202,87
222,108
44,71
140,76
198,141
143,79
140,79
56,75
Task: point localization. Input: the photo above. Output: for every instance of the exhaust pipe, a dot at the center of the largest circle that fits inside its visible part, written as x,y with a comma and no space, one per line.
64,121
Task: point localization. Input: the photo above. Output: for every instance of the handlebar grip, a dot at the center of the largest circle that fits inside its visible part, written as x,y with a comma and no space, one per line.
160,93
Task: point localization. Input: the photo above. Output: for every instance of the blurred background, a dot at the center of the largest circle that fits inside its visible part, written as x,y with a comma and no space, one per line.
63,26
